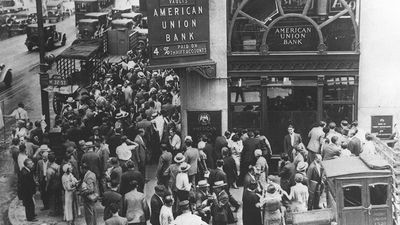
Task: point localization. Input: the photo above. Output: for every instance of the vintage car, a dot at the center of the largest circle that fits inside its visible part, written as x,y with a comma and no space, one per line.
51,36
5,75
135,17
18,22
87,28
55,11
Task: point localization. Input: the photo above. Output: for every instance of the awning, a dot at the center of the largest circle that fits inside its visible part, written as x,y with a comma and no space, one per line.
64,90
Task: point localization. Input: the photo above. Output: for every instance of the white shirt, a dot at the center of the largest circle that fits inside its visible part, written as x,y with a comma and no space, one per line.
188,218
159,122
175,142
21,159
182,182
45,167
292,138
124,151
166,216
20,113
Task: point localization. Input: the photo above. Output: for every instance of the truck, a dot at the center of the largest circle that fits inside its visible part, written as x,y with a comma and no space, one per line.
55,10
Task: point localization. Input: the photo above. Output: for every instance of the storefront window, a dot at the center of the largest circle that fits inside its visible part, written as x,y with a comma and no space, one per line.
378,194
292,98
352,196
338,112
339,35
238,94
339,89
246,116
246,36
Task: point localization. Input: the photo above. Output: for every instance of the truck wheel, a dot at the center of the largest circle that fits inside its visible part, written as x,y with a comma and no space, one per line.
8,79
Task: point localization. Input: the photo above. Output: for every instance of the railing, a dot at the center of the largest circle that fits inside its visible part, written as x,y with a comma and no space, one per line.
393,158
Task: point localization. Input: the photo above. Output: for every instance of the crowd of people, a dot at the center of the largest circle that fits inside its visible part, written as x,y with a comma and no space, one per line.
129,118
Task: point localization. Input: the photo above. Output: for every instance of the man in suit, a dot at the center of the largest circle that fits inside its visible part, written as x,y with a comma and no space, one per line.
115,219
220,142
92,159
156,202
114,141
331,150
141,152
41,171
315,175
164,162
111,197
129,176
135,207
251,213
286,172
315,135
291,139
28,189
192,157
247,155
354,144
89,186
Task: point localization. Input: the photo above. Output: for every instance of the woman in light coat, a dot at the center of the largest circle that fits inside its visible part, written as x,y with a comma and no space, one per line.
69,183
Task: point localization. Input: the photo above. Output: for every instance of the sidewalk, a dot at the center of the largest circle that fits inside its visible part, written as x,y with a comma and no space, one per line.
16,214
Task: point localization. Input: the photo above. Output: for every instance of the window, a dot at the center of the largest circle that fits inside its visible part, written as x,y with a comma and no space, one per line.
352,196
246,116
378,194
339,89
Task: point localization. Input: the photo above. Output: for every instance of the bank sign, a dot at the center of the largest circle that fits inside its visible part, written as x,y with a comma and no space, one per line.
178,31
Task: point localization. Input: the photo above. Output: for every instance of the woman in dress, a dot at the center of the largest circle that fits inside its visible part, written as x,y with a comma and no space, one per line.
69,183
271,203
236,148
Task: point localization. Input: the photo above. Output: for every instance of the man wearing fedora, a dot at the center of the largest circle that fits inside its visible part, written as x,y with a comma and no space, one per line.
192,158
92,160
203,202
156,202
173,171
183,185
220,209
187,217
41,171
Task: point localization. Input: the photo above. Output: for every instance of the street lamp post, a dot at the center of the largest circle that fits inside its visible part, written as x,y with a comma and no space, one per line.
44,76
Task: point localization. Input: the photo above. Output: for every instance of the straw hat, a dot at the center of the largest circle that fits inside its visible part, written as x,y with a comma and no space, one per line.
218,184
184,167
70,100
302,166
44,148
202,183
179,158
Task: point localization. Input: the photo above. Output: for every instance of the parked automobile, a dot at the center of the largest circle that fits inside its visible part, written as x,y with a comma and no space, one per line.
51,36
5,75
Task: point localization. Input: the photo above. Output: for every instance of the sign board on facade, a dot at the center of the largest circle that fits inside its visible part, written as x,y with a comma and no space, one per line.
296,6
178,31
58,80
292,36
204,123
336,6
382,126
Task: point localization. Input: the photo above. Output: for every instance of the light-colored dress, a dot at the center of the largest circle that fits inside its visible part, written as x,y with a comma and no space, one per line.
70,205
272,209
236,147
299,196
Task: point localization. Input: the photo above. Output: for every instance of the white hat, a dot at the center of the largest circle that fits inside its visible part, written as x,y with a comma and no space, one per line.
70,100
188,138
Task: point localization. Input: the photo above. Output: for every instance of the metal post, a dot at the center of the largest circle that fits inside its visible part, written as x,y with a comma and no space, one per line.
44,76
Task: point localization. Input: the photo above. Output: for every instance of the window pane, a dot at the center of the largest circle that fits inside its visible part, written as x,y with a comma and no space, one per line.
339,35
378,194
246,36
292,98
352,196
337,112
246,116
339,88
239,95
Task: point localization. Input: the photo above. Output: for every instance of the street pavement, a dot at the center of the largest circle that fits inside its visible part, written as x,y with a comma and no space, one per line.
25,88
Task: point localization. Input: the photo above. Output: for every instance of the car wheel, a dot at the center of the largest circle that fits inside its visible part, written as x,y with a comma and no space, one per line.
8,79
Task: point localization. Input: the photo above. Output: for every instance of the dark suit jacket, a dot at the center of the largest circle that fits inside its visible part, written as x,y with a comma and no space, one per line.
287,143
39,169
209,150
216,175
286,174
92,159
249,145
246,182
251,214
28,185
354,146
127,177
110,197
312,173
220,142
113,142
230,169
155,205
